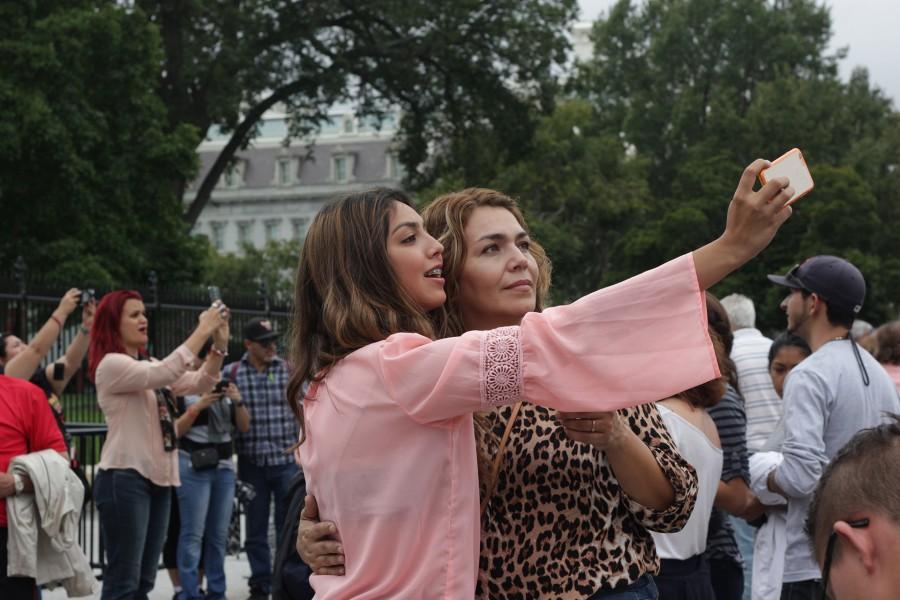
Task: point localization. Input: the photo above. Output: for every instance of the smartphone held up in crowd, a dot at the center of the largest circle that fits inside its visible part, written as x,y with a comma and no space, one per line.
792,165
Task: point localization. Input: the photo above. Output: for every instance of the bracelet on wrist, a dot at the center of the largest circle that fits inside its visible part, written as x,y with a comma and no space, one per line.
84,330
56,320
217,352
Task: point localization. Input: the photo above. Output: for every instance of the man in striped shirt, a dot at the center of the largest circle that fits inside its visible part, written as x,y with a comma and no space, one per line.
751,358
262,378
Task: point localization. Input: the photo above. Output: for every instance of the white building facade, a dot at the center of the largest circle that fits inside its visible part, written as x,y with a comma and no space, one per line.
273,191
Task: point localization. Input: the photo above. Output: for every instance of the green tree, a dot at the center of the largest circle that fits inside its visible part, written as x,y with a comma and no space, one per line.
85,147
448,66
272,267
702,87
578,189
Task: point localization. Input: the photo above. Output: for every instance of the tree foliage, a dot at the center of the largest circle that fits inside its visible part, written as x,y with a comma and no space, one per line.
448,66
270,269
86,152
699,88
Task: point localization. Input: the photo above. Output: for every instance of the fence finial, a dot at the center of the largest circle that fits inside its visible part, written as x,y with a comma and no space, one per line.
153,280
19,269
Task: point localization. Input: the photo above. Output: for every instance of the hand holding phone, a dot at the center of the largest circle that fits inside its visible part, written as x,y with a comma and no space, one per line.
215,299
792,165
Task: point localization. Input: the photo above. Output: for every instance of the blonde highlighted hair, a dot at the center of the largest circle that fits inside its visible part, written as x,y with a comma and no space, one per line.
445,219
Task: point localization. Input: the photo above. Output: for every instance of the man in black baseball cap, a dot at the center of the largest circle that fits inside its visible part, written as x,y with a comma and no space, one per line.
830,396
832,280
262,377
259,329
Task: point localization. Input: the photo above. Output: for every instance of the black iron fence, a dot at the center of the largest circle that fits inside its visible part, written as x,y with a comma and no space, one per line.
26,303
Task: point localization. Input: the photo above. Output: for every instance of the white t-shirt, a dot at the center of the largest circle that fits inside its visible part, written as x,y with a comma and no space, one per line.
706,459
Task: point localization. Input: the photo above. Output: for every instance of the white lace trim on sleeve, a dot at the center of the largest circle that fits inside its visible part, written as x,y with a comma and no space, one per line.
501,367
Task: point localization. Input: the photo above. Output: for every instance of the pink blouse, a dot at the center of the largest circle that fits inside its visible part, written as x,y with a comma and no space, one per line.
390,449
125,392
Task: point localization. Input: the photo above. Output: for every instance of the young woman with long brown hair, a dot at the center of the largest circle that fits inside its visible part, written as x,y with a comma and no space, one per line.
388,447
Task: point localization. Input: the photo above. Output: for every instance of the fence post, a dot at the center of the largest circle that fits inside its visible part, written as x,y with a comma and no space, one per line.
153,281
264,294
20,268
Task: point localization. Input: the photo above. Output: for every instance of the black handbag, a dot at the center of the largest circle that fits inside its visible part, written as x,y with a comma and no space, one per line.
204,458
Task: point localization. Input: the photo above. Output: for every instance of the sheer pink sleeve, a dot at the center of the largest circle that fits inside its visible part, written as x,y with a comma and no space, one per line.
118,373
194,382
635,342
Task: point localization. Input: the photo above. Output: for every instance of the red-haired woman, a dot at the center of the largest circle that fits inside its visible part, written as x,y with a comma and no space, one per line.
138,464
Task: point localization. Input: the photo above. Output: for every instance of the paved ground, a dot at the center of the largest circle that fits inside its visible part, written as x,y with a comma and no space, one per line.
237,570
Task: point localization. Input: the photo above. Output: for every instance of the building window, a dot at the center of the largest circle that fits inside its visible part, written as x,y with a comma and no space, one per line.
245,232
233,177
349,125
342,168
298,227
284,173
272,227
393,170
217,229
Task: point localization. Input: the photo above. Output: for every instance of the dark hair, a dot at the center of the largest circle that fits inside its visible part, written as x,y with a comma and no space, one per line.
3,345
105,330
710,393
346,295
718,320
887,340
786,340
858,479
839,317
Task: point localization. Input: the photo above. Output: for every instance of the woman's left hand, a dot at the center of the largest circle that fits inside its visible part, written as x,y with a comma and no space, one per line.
603,430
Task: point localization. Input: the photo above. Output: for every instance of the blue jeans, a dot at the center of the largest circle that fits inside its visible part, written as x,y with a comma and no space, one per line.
134,514
205,500
642,589
269,481
745,535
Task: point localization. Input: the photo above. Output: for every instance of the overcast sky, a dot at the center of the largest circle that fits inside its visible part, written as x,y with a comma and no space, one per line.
870,28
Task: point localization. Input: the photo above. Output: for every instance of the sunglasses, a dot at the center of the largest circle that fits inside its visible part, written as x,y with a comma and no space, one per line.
829,552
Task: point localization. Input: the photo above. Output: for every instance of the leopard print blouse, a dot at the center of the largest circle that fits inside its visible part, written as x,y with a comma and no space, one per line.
557,524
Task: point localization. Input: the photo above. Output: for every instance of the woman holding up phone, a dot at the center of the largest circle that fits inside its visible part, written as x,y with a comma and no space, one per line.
388,448
138,463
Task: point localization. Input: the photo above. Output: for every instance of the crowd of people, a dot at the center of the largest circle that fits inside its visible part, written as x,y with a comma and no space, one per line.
459,440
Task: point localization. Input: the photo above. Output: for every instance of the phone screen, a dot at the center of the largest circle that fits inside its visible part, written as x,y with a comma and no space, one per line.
214,293
793,166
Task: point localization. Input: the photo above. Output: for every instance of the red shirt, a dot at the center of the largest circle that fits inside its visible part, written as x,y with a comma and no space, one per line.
26,425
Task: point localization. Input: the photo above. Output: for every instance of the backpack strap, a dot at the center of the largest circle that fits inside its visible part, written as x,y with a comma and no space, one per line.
495,468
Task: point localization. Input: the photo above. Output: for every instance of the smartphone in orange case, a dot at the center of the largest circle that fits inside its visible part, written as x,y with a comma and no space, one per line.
792,165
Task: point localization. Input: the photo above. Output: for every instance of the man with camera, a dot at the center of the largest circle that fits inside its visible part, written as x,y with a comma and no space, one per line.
262,377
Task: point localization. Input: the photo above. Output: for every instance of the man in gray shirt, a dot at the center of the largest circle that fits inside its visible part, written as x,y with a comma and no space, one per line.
836,392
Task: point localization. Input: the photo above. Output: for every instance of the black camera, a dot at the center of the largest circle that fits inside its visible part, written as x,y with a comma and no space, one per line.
221,385
87,296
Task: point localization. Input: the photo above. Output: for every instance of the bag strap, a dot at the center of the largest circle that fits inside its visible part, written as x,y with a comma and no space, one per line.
495,468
